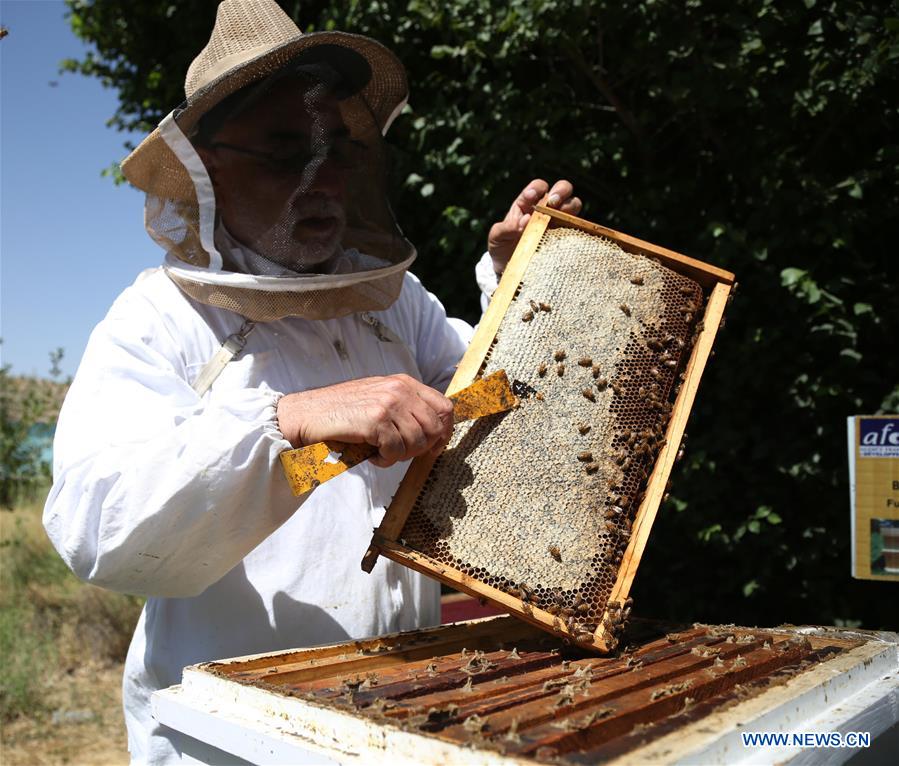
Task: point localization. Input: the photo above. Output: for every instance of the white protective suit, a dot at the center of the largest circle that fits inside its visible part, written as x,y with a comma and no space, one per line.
182,498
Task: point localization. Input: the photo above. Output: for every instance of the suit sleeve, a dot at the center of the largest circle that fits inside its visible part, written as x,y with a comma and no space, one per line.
156,491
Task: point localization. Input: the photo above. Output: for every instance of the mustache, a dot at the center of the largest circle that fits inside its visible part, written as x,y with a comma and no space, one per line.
317,207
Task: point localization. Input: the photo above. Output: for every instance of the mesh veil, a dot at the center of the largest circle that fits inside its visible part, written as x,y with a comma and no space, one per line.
308,230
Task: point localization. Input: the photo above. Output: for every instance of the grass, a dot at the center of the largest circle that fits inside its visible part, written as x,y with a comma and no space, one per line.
51,624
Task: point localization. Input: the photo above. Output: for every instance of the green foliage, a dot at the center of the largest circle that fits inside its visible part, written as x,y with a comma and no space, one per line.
49,621
756,135
28,409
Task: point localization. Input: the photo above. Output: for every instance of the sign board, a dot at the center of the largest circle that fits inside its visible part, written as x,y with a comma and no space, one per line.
874,494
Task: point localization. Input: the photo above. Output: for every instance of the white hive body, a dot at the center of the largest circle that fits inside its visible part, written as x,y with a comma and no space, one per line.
543,496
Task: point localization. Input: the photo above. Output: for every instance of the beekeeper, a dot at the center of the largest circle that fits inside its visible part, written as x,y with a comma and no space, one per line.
284,314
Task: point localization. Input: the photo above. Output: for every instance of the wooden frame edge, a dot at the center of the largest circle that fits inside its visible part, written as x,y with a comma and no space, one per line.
704,273
655,488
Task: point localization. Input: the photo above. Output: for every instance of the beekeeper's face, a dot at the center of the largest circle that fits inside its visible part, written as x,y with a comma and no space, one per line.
278,169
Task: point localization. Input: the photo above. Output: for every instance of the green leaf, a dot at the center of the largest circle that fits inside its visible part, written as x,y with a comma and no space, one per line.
751,587
709,532
791,276
773,518
816,29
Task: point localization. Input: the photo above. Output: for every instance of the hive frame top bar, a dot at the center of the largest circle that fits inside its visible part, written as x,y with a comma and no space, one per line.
704,273
716,284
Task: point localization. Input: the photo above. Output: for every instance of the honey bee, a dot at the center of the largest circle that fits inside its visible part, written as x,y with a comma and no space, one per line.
583,608
637,280
585,361
585,457
596,371
670,363
559,355
534,306
527,316
539,396
655,373
583,637
560,369
688,317
654,344
541,369
582,428
545,307
601,384
625,309
555,552
617,388
686,290
591,468
588,394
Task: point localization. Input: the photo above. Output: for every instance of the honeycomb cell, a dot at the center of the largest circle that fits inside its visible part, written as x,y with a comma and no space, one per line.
511,486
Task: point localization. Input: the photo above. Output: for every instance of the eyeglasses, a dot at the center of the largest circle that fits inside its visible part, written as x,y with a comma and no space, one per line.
343,152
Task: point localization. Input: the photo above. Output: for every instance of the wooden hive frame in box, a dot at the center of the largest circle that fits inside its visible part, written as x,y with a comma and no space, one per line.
716,286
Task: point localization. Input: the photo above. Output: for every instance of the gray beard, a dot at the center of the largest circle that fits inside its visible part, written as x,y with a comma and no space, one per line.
278,253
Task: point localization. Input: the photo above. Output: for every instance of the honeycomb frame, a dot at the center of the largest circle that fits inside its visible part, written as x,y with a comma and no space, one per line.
605,613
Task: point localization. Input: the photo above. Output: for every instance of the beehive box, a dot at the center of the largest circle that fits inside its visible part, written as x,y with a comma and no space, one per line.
502,692
545,510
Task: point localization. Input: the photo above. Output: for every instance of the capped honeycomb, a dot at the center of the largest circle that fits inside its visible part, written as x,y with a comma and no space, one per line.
539,502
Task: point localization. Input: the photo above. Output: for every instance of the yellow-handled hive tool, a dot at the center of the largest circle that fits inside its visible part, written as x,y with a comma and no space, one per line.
308,467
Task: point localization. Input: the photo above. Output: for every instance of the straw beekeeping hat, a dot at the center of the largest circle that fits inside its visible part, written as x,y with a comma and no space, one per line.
253,44
252,39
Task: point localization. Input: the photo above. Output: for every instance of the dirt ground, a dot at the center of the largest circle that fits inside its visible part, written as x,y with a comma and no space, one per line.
85,727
